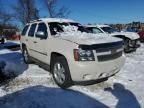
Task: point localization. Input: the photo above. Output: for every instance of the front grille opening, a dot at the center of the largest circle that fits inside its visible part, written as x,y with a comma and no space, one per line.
102,58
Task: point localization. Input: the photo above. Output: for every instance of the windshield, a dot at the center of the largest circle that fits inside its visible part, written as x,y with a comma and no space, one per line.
108,29
56,27
94,30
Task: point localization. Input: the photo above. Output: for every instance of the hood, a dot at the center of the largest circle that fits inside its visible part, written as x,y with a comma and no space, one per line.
130,35
89,39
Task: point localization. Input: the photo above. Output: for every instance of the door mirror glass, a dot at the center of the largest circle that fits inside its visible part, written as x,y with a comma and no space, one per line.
41,35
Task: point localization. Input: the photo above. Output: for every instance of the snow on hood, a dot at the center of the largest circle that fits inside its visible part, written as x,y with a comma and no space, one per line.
129,35
72,34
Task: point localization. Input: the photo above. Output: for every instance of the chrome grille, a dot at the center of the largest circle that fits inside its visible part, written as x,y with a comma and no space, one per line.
109,53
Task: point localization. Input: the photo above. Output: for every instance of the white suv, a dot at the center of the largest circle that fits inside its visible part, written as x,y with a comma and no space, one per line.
73,55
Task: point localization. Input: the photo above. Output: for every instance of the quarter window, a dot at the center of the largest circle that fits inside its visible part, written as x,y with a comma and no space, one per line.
32,30
25,30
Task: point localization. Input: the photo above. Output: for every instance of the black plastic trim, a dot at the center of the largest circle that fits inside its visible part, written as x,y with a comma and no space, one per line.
100,46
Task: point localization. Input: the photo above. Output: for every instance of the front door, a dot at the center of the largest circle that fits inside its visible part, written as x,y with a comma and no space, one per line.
41,42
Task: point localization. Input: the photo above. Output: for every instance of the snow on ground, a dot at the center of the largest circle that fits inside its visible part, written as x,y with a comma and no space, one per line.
34,87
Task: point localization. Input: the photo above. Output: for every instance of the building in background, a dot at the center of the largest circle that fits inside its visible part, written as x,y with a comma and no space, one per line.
9,31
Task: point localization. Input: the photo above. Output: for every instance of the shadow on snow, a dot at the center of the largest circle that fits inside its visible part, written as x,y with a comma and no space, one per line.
45,97
126,99
10,45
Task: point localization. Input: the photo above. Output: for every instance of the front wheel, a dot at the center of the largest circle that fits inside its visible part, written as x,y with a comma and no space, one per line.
61,73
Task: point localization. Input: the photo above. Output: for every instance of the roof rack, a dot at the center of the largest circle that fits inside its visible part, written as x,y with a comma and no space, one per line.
51,20
35,20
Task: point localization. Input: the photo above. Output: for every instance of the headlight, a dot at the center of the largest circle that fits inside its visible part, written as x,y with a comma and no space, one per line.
132,42
138,42
83,55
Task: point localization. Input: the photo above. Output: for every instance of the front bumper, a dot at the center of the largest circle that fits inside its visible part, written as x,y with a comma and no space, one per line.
133,45
94,70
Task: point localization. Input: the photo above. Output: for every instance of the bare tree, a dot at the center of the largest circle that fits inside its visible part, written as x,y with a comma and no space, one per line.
5,17
53,11
25,11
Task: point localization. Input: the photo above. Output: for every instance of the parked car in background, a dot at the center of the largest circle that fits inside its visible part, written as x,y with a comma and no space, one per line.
74,55
15,36
135,30
141,34
131,40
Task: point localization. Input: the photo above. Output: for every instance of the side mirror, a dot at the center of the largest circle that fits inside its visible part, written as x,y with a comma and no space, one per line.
41,35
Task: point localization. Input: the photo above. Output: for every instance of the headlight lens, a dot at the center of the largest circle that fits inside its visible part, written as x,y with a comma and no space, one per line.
83,55
132,42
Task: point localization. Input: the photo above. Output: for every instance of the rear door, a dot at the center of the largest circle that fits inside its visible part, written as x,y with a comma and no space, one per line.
24,37
31,40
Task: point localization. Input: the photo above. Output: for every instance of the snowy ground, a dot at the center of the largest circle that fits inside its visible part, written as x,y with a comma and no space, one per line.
34,87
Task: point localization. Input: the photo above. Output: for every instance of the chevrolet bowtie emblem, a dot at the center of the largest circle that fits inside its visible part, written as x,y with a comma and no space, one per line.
113,51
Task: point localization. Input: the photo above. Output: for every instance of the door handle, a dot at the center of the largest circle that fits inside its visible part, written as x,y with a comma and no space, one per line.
34,41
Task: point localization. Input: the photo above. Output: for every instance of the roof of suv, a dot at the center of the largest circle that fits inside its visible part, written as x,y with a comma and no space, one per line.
52,20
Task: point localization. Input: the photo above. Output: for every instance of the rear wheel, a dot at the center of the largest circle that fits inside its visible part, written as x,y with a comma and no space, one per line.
25,55
61,73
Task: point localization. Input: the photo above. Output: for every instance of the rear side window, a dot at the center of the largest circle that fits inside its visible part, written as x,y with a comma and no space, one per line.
32,30
25,30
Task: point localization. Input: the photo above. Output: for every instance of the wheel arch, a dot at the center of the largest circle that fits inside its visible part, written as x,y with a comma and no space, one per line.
54,55
23,45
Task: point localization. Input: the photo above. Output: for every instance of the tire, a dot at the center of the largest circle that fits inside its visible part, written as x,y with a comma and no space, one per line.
26,55
2,41
61,73
126,45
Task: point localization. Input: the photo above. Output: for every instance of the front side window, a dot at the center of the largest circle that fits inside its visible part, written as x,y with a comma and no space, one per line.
32,30
43,29
55,28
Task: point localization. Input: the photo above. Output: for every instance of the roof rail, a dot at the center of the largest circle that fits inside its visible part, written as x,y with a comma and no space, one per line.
35,20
